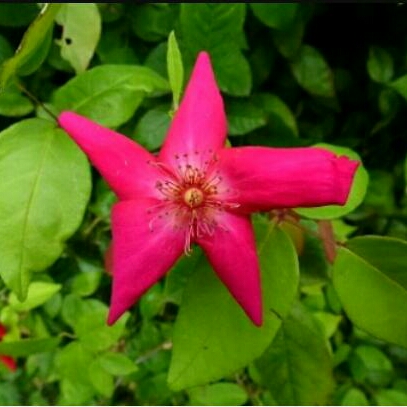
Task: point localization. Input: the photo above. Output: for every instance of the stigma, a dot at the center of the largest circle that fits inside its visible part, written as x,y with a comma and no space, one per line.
193,197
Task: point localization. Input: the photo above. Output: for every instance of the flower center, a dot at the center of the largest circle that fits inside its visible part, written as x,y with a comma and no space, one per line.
193,197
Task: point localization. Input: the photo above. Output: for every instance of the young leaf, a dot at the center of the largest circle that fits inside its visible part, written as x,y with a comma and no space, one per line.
175,69
212,335
109,94
82,26
370,279
43,194
33,47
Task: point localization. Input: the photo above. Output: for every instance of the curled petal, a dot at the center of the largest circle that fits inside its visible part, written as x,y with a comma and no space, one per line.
265,178
126,166
200,122
232,254
142,252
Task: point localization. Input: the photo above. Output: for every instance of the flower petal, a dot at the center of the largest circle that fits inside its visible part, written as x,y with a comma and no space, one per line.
200,122
232,253
9,362
122,162
263,178
142,252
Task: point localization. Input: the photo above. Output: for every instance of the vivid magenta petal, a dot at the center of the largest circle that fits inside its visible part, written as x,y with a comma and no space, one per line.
200,122
122,162
265,178
143,251
232,254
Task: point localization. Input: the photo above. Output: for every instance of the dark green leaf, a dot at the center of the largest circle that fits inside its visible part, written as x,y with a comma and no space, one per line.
17,14
278,16
380,65
312,72
297,367
44,191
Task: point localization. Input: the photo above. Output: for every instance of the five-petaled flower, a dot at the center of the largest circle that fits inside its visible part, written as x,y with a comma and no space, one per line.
198,191
8,361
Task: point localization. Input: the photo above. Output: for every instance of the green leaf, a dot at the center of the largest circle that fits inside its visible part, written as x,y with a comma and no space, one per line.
243,117
400,85
354,397
109,94
43,195
33,47
27,347
312,72
380,65
14,104
297,367
86,283
81,28
371,281
390,397
356,195
6,51
281,122
17,14
101,380
380,195
218,29
39,293
175,69
152,128
371,366
212,335
117,364
218,394
279,16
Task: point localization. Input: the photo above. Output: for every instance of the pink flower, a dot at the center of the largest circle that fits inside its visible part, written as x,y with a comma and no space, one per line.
197,191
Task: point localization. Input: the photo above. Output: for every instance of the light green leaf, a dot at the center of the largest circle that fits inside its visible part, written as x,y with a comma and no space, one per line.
81,28
371,281
39,292
243,117
218,394
297,367
43,195
117,364
354,397
27,347
356,195
109,94
390,397
312,72
212,335
101,380
379,65
277,15
33,47
175,69
86,283
218,29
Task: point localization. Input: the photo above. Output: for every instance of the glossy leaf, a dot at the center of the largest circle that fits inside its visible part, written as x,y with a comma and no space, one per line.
175,69
81,28
312,72
370,279
218,29
109,94
356,195
30,53
297,367
278,15
212,335
43,194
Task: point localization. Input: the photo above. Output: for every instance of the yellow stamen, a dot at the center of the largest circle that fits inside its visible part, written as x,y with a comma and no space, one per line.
193,197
